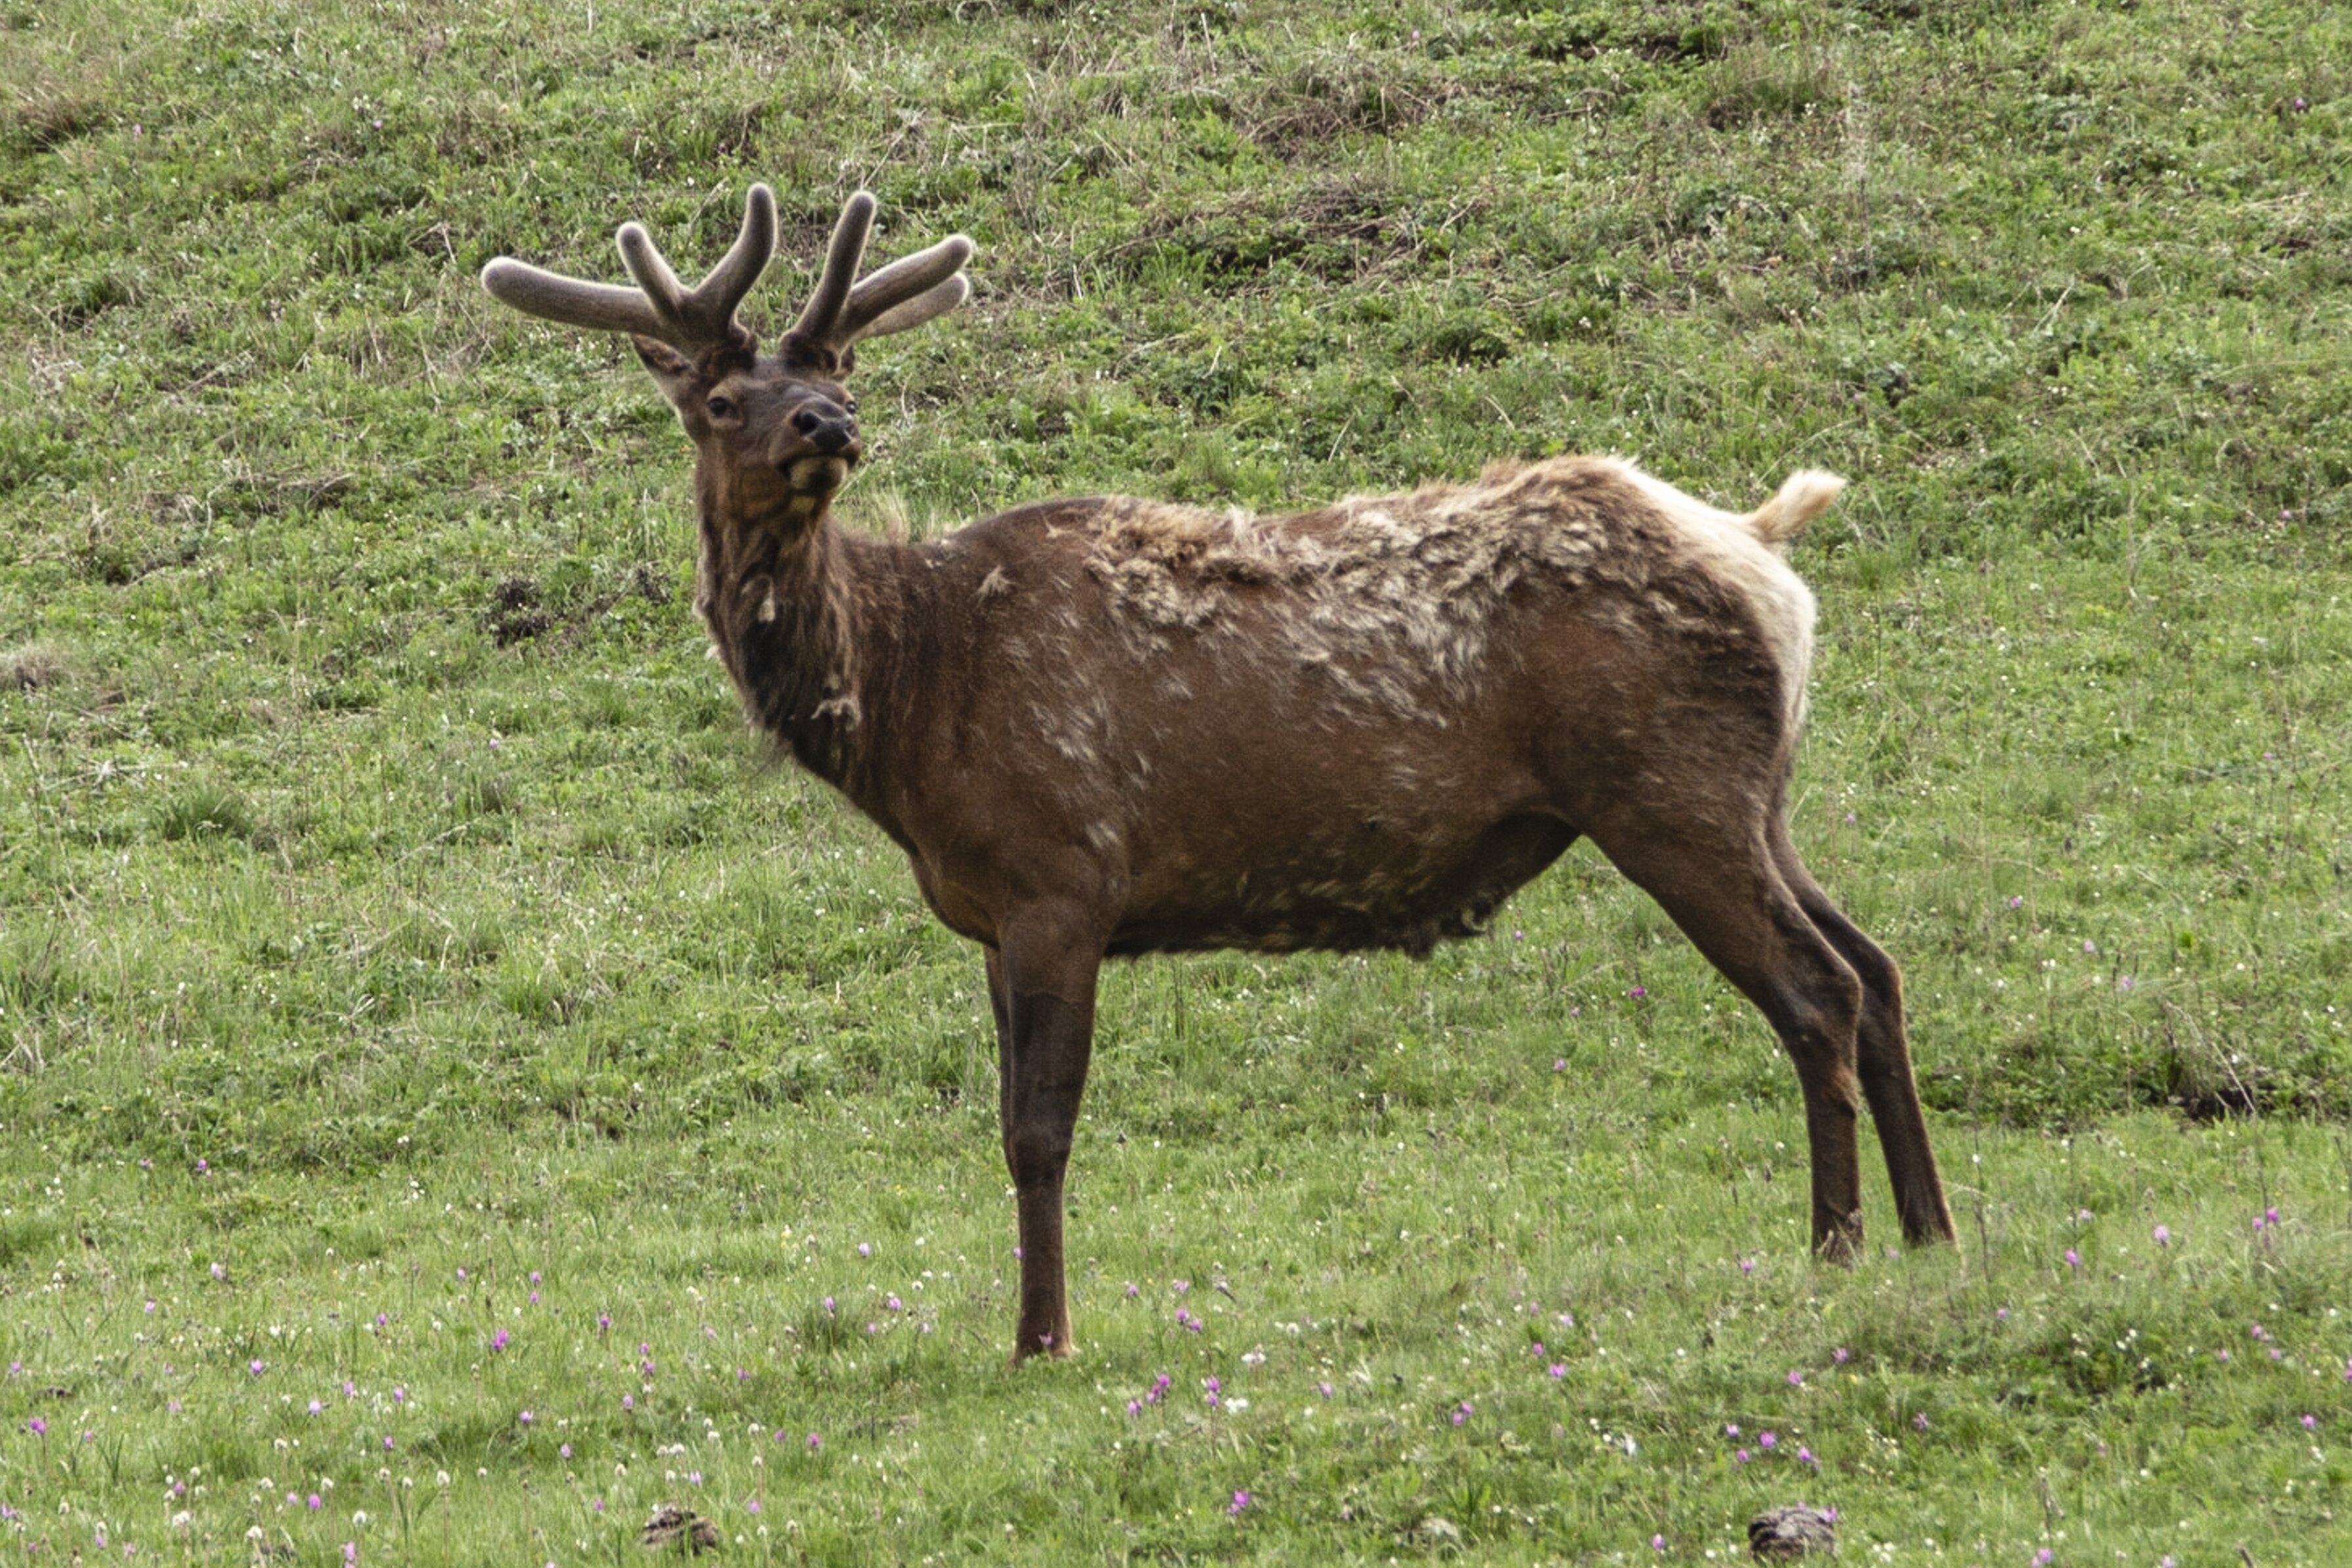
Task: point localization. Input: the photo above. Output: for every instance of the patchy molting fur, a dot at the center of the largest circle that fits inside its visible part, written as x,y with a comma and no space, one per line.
1377,616
1396,598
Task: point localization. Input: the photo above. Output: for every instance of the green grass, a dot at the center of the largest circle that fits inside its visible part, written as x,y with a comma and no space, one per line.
372,831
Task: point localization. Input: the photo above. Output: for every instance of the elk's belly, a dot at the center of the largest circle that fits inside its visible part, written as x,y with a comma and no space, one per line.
1376,889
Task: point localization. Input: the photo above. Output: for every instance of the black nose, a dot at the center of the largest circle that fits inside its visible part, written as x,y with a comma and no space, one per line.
828,434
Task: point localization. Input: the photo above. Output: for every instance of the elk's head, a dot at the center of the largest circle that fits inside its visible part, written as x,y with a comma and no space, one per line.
773,432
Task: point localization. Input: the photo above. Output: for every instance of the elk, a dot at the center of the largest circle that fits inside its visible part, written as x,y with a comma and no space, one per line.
1106,726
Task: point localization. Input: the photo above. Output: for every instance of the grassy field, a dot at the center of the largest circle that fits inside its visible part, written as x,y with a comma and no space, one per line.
459,1094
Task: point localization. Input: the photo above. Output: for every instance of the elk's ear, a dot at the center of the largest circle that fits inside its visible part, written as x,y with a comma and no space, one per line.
670,368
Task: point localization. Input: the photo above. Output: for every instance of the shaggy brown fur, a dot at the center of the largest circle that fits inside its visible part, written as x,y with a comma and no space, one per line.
1106,726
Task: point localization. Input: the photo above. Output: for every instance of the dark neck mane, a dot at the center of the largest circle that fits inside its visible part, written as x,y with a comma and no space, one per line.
800,613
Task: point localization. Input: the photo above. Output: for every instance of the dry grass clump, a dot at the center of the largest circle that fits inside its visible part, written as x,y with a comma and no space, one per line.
32,667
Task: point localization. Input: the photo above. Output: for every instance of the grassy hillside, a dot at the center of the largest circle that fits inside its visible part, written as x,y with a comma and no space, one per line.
389,888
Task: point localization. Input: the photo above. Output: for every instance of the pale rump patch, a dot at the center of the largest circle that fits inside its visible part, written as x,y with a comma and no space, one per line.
1745,554
1396,598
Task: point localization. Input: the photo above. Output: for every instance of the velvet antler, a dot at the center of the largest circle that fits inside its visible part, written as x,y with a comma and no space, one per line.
843,310
691,321
840,313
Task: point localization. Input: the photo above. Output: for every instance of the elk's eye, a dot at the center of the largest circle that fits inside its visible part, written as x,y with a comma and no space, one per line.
720,408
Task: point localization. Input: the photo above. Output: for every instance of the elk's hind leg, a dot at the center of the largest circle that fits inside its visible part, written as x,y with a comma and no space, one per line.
1883,1059
1714,871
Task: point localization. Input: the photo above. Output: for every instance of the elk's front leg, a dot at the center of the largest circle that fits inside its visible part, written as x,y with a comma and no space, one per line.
1041,985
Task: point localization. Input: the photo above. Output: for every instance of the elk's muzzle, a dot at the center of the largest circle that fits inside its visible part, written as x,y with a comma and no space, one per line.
830,432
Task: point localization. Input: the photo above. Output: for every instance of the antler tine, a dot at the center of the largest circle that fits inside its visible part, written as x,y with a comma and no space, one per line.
723,289
936,300
552,297
819,323
910,278
659,285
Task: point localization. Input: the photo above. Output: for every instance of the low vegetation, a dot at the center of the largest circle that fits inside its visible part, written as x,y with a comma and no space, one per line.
457,1096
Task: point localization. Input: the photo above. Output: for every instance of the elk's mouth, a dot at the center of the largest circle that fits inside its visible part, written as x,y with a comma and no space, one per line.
819,475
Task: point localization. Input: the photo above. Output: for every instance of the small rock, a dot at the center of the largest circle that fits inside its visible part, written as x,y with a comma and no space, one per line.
1785,1534
671,1525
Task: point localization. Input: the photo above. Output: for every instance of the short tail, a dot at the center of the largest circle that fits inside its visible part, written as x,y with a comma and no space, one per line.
1804,496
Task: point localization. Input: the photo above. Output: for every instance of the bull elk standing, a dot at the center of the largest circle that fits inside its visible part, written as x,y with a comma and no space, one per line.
1107,727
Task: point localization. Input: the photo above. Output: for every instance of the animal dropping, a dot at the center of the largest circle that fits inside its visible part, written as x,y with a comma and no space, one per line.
674,1529
1786,1533
1106,726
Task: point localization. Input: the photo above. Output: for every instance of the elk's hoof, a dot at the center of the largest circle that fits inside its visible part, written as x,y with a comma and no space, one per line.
1053,1347
1840,1245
